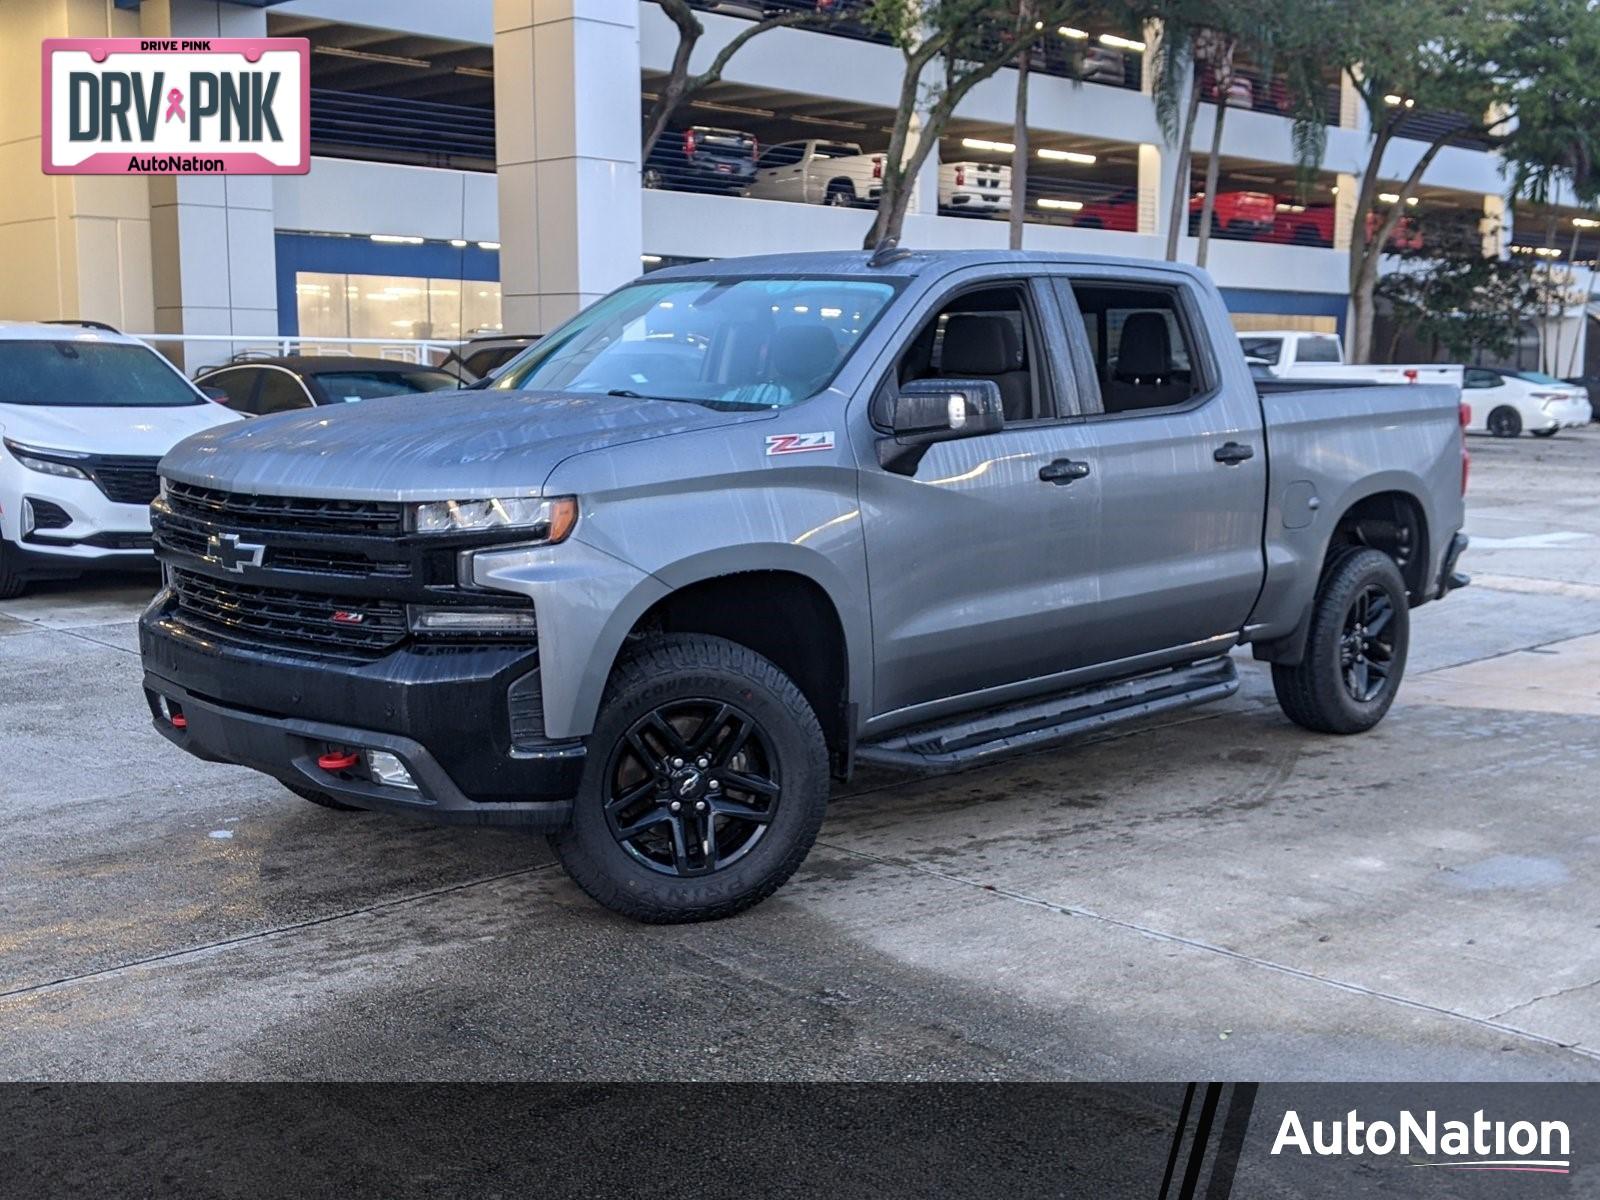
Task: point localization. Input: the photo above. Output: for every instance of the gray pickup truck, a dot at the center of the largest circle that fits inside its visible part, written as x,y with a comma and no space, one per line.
742,525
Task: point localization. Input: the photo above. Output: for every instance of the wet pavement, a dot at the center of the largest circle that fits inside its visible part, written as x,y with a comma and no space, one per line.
1216,894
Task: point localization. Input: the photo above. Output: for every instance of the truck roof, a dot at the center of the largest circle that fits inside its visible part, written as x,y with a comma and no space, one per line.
910,263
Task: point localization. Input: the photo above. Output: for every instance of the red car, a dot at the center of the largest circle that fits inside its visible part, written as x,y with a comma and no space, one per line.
1248,213
1119,211
1313,226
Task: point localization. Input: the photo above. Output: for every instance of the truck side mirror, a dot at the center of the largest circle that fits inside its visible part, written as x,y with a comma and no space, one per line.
925,411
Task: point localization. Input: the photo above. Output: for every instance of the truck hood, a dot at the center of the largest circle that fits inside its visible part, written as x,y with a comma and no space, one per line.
435,447
141,431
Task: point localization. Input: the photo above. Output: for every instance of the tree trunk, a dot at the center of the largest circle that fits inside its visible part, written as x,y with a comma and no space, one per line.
1019,155
1208,204
1182,185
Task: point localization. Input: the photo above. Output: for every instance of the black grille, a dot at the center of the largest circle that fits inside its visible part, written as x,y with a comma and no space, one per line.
278,617
242,510
525,700
185,539
125,479
48,516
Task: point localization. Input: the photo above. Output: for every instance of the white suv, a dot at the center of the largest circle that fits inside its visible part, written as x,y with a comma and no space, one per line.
85,416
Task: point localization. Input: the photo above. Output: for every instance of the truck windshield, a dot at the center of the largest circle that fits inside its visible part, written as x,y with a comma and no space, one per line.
734,343
85,374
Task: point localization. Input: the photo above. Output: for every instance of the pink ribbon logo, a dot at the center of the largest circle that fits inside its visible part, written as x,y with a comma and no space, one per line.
175,106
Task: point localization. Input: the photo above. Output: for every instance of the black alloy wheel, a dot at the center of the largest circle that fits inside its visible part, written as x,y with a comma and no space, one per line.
1504,422
1366,646
692,787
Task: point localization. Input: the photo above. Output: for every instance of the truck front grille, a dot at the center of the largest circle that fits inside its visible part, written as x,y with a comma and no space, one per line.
280,618
244,510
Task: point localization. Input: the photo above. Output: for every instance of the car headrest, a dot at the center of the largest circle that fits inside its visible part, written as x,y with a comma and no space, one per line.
979,344
803,353
1144,351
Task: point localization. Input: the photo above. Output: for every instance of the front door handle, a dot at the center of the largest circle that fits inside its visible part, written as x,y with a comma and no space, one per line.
1233,453
1063,471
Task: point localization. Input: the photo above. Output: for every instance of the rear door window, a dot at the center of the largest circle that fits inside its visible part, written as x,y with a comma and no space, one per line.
1144,351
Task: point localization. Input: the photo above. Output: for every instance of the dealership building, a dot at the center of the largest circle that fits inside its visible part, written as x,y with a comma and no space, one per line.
476,166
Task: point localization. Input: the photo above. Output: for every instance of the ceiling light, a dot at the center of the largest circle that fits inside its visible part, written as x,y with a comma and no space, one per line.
475,72
1586,223
397,239
1391,99
1076,35
1121,43
1071,156
488,245
394,60
732,108
1065,205
1389,197
828,122
650,258
986,144
458,243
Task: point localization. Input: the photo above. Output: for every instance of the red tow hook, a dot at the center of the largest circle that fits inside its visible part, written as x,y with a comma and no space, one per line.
179,721
338,760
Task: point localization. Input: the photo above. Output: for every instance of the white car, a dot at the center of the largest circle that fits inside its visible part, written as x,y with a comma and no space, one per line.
974,187
1298,354
1504,403
85,416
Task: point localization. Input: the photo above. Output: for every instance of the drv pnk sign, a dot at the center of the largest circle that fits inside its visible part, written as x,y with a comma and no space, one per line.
177,106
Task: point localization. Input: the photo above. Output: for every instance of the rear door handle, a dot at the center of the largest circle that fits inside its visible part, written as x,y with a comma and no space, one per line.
1063,471
1233,453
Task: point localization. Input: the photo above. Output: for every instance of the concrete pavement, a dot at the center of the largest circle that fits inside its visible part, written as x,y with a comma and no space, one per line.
1219,895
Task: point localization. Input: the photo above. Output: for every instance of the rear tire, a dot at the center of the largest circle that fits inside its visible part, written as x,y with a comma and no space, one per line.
718,730
12,583
321,799
1355,655
840,194
1504,422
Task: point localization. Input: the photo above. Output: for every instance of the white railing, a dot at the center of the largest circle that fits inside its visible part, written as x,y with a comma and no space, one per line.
213,348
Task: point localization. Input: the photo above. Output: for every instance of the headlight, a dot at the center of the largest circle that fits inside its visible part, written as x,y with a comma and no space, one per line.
547,521
47,462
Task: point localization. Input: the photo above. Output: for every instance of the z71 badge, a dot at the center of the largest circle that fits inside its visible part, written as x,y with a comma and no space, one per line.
799,443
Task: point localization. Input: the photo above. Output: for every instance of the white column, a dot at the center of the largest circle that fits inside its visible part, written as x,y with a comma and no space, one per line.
1156,179
1344,211
212,238
72,245
925,196
1495,227
567,125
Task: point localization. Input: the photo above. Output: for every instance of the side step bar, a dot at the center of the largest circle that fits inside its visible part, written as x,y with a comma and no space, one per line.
977,738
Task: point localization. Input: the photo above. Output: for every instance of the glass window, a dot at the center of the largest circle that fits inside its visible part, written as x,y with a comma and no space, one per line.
280,392
1477,377
745,343
86,374
481,362
351,386
397,308
835,150
238,384
1143,354
1318,350
785,155
1268,350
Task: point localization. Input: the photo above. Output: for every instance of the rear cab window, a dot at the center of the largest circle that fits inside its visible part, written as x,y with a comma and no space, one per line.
1142,347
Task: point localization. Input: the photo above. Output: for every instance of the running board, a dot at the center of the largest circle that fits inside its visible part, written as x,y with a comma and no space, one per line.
977,738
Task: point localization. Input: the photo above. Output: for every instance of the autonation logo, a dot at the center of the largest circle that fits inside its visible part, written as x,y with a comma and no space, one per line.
1476,1145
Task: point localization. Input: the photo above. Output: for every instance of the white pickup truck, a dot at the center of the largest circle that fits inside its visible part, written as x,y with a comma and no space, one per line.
818,171
1298,354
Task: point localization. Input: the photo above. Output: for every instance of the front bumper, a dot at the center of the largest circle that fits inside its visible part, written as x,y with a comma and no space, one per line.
444,712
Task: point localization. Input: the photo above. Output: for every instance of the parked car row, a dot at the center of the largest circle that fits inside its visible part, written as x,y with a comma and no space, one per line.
1501,402
703,158
86,413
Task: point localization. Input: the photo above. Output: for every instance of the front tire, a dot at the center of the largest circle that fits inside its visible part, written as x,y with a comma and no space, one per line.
705,786
12,582
1355,655
1505,422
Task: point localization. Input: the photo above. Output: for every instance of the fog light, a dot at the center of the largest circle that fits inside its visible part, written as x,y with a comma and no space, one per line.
457,618
387,769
